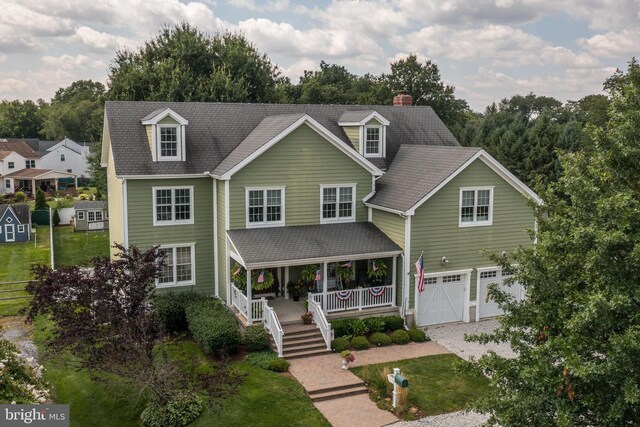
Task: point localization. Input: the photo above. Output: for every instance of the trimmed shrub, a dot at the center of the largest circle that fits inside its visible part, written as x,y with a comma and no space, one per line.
339,344
213,326
41,202
279,365
340,327
179,411
357,327
380,339
20,197
400,337
261,359
360,343
256,338
170,309
375,324
417,335
393,323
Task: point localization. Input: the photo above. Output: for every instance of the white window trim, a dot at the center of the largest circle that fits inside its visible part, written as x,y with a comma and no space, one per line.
338,219
380,141
11,165
264,223
63,157
173,206
179,142
175,268
81,216
21,228
95,213
475,222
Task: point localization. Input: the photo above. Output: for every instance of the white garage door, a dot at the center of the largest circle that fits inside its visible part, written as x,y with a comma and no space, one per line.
487,307
442,300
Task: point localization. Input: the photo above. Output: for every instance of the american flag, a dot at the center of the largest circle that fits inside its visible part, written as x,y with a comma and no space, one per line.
261,277
420,272
318,275
346,264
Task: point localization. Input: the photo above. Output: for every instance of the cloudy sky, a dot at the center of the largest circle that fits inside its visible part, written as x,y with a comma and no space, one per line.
487,49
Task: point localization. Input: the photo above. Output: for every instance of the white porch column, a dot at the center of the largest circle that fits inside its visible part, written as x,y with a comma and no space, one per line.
279,275
33,187
286,281
249,297
55,183
324,286
394,270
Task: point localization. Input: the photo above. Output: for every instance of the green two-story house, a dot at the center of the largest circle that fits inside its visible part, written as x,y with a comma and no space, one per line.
245,199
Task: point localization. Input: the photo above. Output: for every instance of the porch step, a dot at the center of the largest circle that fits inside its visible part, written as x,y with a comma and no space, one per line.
288,349
338,392
304,340
298,328
305,353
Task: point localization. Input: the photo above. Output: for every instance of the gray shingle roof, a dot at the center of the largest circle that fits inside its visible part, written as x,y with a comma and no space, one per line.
309,242
354,116
21,210
85,204
268,129
216,129
416,171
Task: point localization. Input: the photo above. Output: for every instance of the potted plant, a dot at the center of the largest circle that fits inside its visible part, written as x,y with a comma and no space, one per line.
376,272
295,289
307,317
347,358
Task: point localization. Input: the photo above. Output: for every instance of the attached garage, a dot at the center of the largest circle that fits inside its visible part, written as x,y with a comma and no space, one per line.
445,298
487,307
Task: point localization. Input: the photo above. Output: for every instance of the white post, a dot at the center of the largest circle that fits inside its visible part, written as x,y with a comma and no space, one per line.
324,286
279,275
394,269
396,371
249,297
286,281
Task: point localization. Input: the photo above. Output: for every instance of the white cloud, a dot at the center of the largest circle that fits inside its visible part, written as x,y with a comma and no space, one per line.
274,5
625,43
70,62
100,41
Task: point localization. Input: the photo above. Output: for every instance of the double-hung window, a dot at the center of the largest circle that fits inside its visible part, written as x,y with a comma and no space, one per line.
338,203
265,207
372,141
80,215
179,266
169,141
10,165
30,164
62,157
476,206
172,205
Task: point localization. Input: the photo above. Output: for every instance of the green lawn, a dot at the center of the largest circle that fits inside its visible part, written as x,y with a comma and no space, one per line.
435,386
78,248
265,398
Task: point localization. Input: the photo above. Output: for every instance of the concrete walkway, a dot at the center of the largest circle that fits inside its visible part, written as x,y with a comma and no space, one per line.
321,372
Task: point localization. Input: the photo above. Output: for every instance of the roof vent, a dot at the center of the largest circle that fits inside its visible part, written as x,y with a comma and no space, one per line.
402,99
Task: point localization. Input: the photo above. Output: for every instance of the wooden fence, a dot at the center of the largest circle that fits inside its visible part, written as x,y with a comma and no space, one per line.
15,288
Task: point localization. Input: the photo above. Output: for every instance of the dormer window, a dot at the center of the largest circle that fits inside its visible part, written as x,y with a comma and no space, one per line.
367,130
166,132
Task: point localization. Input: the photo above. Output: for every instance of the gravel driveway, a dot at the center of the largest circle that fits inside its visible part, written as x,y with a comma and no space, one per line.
452,337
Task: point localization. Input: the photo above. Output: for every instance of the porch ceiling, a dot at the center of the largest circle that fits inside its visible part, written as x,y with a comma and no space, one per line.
310,244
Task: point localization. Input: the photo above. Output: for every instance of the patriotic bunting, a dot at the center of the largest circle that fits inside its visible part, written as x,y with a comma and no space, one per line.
378,291
344,295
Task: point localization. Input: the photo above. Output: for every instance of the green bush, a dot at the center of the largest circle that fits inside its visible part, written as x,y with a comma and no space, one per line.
380,339
360,343
357,327
170,309
279,365
375,324
339,344
261,359
19,382
393,323
400,337
340,327
417,335
213,326
20,197
179,411
256,338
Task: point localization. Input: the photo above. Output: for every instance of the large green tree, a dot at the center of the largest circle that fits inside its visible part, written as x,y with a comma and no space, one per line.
184,64
20,119
577,332
76,112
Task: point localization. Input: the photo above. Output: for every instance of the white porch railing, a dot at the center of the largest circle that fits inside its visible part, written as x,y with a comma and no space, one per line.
239,300
272,324
321,321
354,299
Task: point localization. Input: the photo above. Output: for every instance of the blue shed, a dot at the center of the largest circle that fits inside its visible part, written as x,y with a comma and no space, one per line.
15,223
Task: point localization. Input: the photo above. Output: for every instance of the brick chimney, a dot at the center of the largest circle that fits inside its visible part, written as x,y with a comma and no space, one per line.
402,99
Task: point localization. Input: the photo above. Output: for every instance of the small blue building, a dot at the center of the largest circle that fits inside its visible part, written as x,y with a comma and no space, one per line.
15,223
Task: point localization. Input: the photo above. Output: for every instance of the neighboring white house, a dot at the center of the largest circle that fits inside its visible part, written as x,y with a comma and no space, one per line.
66,156
10,162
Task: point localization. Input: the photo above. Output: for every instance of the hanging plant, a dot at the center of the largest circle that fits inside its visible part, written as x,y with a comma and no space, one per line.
344,272
267,280
308,274
376,271
239,277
